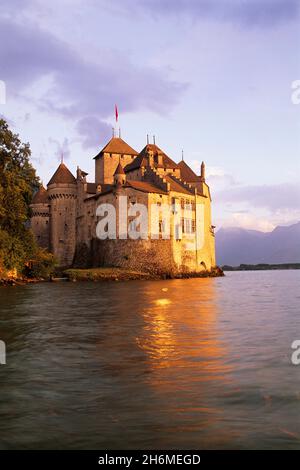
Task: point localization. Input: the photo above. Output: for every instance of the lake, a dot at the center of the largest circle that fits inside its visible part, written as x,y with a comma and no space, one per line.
192,363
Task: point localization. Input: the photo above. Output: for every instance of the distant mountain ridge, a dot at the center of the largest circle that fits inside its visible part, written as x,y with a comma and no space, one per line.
235,246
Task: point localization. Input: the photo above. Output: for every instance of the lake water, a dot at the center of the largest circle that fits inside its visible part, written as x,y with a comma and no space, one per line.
194,363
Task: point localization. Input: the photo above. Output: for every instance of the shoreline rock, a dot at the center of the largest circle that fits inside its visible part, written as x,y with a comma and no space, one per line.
109,274
12,282
121,274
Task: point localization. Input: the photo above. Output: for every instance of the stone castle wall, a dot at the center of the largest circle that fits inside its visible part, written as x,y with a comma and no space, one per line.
62,199
40,219
106,165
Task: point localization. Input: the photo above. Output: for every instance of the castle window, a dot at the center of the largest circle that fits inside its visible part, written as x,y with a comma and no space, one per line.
182,225
178,235
188,225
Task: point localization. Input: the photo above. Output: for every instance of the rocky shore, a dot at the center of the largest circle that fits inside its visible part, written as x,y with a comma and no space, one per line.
5,282
107,274
121,274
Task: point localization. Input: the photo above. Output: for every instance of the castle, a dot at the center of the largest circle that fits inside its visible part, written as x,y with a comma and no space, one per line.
64,216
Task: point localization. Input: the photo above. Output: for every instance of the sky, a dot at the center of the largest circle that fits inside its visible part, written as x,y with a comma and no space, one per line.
210,77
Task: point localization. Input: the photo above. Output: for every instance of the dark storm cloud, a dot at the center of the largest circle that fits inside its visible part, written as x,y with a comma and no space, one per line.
79,89
275,197
246,12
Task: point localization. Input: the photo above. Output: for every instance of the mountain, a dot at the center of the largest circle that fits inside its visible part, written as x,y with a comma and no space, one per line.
235,246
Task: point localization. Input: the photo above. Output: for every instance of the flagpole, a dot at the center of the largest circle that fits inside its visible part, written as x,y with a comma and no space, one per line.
117,118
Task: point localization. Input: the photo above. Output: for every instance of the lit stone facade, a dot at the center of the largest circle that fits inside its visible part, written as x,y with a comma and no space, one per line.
64,216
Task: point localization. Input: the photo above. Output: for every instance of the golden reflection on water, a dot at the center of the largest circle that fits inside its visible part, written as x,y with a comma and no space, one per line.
180,328
185,353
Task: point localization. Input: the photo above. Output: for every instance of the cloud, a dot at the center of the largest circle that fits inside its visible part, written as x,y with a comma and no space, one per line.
35,61
217,178
275,198
248,221
93,131
248,12
62,149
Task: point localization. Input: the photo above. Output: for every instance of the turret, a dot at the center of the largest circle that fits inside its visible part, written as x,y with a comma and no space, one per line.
40,217
62,193
119,176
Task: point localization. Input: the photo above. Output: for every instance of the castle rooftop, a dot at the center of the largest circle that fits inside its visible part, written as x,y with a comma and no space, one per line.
116,145
119,170
62,175
142,160
40,196
187,173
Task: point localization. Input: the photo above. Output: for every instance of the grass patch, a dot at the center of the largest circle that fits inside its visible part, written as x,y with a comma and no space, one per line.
104,274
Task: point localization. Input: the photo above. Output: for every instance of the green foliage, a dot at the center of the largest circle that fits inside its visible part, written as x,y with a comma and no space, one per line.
15,251
18,181
42,265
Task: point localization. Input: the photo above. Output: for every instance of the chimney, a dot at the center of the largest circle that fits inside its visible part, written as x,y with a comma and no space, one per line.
202,172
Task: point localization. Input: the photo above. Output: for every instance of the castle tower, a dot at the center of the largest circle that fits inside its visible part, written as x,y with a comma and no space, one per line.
106,162
62,193
119,176
40,217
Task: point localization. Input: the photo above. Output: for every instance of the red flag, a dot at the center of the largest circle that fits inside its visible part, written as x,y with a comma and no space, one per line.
116,112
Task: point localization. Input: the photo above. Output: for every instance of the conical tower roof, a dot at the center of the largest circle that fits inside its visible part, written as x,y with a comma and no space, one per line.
119,170
41,196
62,175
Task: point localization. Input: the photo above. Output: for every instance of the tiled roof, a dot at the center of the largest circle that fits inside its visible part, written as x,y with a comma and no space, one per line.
119,146
142,159
62,175
187,173
145,186
177,186
41,196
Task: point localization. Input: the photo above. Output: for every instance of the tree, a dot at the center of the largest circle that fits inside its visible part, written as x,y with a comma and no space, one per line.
18,181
